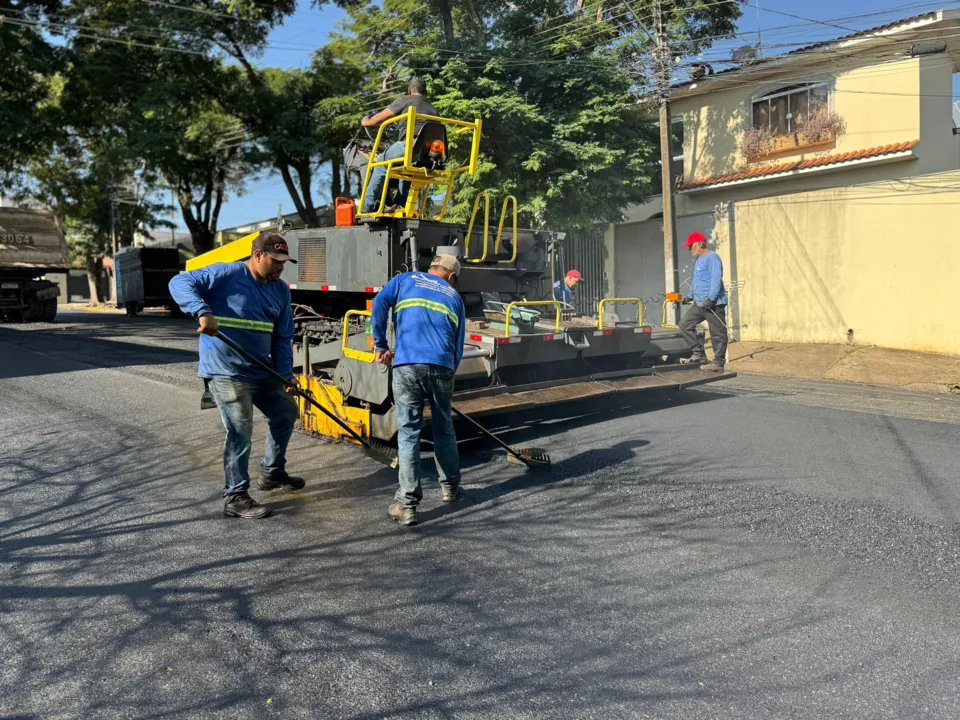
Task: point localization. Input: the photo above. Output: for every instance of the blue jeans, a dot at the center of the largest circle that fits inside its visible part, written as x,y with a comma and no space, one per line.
372,198
236,400
413,385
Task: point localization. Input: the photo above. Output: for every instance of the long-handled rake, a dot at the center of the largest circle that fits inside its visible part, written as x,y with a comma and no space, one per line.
535,459
371,448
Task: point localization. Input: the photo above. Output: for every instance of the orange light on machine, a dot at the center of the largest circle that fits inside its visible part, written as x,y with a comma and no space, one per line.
673,297
437,147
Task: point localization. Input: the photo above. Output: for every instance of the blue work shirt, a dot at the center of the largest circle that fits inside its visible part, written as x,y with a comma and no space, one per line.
562,293
428,320
255,315
708,280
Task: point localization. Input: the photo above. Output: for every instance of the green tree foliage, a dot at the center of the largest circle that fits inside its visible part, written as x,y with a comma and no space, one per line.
89,185
301,120
153,74
557,85
28,86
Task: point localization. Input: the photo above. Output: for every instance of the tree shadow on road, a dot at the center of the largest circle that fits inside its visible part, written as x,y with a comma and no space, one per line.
83,353
597,590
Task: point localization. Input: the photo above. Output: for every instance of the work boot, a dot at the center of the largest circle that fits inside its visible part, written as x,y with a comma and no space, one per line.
712,367
694,360
242,505
402,514
449,494
280,481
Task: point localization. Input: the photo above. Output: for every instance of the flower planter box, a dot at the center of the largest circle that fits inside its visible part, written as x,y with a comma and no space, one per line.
792,143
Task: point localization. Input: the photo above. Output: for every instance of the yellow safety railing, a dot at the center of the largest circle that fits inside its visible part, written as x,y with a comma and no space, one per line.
638,301
503,216
361,355
486,226
420,179
532,302
671,298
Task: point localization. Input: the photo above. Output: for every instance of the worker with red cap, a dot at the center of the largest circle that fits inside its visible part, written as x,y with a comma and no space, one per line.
563,289
708,298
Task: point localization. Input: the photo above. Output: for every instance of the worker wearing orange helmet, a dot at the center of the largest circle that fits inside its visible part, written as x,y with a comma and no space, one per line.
708,299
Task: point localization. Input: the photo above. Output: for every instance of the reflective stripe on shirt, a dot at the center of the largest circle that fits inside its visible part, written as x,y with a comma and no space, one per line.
429,305
242,324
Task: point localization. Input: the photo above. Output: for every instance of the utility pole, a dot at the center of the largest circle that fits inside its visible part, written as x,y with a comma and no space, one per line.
113,239
663,62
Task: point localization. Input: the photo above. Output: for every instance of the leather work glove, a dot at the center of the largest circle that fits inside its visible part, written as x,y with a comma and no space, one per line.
687,301
709,304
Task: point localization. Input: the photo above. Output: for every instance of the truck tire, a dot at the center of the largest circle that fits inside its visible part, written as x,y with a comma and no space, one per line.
13,316
132,309
50,310
34,310
175,311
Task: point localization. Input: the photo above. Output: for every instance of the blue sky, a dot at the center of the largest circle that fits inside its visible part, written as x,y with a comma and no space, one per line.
291,46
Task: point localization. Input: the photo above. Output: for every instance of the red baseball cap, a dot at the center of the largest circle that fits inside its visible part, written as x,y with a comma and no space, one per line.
575,274
695,237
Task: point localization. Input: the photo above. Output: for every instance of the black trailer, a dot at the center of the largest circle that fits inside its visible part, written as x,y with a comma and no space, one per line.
143,275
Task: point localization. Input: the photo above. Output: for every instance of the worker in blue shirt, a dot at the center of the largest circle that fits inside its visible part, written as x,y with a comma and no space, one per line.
563,289
708,299
429,326
251,305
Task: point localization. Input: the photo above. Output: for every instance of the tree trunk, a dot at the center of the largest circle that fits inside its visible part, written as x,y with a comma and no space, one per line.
446,15
305,177
478,29
201,233
292,191
94,274
336,189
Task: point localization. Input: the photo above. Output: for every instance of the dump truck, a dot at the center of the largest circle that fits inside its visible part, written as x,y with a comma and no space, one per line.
524,349
31,244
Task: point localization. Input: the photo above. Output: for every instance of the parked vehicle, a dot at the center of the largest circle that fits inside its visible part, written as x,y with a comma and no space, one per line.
31,245
143,275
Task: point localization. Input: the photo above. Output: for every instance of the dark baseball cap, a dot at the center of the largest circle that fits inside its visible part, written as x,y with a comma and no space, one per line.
275,246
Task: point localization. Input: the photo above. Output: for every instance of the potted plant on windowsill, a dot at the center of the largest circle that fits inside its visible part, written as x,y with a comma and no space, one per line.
820,129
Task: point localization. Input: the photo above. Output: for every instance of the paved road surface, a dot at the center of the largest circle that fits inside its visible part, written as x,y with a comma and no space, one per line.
768,549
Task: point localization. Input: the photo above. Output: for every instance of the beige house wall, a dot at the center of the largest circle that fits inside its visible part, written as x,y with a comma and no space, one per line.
867,248
881,104
873,259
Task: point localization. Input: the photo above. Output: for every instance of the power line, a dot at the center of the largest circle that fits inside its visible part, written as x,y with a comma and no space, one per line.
40,25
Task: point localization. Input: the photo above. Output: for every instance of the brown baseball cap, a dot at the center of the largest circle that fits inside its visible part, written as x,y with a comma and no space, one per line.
448,263
275,246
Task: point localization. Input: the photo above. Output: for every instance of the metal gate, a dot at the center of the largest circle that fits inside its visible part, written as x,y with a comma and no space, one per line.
639,264
583,251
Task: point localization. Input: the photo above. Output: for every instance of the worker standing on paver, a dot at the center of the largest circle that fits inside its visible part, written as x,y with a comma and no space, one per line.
563,289
249,303
416,96
429,326
708,298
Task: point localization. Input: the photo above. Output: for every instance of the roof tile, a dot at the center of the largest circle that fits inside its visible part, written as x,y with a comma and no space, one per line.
764,170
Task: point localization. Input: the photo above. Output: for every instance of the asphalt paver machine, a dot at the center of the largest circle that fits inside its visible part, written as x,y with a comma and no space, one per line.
524,350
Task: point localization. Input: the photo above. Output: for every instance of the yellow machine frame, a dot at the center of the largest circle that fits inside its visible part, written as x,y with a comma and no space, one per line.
638,301
421,179
486,228
239,249
329,395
